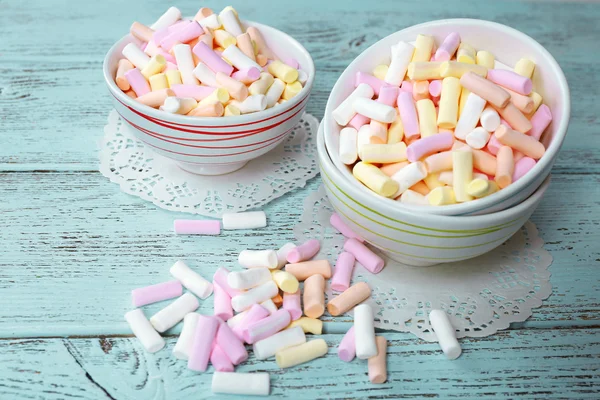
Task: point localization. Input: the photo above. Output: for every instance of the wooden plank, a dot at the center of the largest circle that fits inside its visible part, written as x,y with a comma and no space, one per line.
74,246
62,87
523,364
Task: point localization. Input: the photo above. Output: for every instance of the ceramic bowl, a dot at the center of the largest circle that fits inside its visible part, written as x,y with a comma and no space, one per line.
214,146
419,239
508,46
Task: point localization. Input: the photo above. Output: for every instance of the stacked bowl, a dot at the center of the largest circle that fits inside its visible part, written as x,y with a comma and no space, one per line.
426,235
214,146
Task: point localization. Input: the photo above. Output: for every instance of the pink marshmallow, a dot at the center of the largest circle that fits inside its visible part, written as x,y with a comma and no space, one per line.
358,120
292,62
408,114
170,66
267,326
160,34
220,277
212,59
406,86
342,274
388,95
510,80
304,252
347,347
154,293
219,359
186,34
540,121
435,88
291,303
448,47
429,145
341,227
222,303
375,83
371,261
138,83
196,92
247,75
143,46
522,167
493,145
231,345
197,226
256,313
202,343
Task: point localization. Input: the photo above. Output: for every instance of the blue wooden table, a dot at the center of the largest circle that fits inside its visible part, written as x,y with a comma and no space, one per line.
72,245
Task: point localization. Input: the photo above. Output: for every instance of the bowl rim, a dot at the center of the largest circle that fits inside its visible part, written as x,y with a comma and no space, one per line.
212,122
515,188
326,165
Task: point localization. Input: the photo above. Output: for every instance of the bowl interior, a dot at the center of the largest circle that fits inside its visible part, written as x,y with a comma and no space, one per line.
281,43
508,46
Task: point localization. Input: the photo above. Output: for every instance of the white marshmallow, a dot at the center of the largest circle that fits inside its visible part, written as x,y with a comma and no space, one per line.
302,77
135,55
256,295
412,197
490,120
249,384
345,111
170,16
152,49
349,145
235,320
191,280
363,136
169,316
255,103
244,220
249,278
478,138
143,330
258,259
186,337
230,22
275,91
269,306
185,63
282,254
364,332
374,110
212,22
179,105
445,333
447,177
401,55
238,59
409,175
470,116
267,348
205,75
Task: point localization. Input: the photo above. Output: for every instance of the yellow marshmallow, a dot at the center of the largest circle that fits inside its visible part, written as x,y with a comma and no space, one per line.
462,173
427,118
464,94
458,69
300,354
283,71
466,54
525,67
448,105
421,71
481,187
154,66
485,59
223,38
158,81
380,71
220,95
433,181
309,325
374,179
173,77
231,111
441,196
261,85
383,153
291,90
423,48
285,281
537,101
396,131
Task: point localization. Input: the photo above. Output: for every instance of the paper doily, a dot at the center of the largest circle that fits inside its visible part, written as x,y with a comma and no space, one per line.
150,176
481,295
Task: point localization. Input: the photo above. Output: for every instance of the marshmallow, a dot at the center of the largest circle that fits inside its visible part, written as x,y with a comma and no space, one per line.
169,316
462,172
347,347
489,118
137,57
206,329
231,345
348,146
287,282
244,220
291,302
448,47
255,313
249,278
258,259
177,105
255,295
212,59
478,138
206,76
219,360
137,82
191,280
372,177
251,104
469,116
314,296
247,384
505,165
222,303
374,110
282,254
402,53
406,178
446,335
143,330
342,274
308,325
364,332
305,269
485,89
283,71
170,16
304,252
275,91
154,293
377,365
195,227
408,114
300,354
239,60
267,326
268,347
352,296
341,227
184,343
345,111
185,63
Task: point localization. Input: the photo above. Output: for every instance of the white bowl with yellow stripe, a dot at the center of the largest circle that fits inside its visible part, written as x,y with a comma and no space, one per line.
419,239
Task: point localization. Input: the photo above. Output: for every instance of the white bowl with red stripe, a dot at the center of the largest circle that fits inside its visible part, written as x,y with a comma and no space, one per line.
214,146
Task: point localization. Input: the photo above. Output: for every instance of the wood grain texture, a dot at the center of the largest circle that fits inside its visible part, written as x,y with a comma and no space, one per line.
512,364
73,246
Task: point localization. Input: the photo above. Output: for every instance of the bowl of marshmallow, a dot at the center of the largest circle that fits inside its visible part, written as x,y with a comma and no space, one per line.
211,92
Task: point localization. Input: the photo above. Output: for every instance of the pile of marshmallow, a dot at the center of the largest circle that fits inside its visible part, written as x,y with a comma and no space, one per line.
211,66
446,126
263,305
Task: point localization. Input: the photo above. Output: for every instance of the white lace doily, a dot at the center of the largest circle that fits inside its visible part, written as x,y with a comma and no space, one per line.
143,173
483,295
